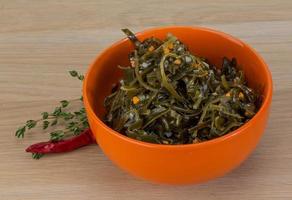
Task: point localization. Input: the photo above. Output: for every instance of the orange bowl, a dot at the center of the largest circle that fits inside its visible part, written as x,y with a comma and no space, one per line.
178,164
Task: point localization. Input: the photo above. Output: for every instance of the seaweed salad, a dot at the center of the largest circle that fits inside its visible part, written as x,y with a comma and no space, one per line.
167,95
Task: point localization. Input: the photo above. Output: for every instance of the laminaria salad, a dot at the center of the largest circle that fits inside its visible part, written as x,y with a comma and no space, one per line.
168,95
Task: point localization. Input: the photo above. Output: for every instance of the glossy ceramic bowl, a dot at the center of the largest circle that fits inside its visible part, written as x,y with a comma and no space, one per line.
178,164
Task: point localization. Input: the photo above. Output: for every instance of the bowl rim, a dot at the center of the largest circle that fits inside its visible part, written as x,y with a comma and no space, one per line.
228,136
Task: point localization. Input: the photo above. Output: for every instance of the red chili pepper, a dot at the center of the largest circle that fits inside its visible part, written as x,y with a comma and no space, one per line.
85,138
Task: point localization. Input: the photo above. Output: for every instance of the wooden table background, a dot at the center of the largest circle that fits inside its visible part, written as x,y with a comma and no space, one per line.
41,40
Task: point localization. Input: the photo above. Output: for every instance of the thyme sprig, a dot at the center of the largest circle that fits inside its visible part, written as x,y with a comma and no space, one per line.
71,123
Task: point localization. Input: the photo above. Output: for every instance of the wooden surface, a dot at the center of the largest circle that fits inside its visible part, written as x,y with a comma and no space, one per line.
41,40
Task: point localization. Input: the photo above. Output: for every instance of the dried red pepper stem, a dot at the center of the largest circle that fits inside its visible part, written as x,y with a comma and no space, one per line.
83,139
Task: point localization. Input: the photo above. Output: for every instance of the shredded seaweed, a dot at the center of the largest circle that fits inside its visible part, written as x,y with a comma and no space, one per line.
170,96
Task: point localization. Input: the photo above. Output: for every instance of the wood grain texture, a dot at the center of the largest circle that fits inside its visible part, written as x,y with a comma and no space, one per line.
41,40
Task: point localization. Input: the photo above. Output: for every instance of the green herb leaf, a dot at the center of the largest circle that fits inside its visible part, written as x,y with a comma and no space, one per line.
57,111
20,132
31,124
82,110
85,124
57,135
64,103
45,115
81,77
68,116
73,73
77,113
76,130
37,155
45,124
